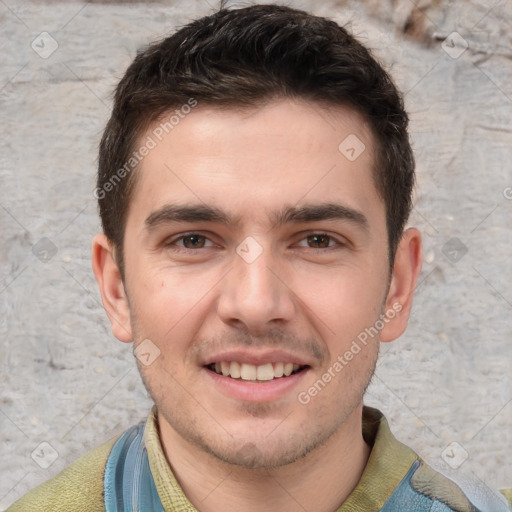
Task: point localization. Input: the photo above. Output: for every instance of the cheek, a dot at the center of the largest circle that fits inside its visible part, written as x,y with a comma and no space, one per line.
342,302
168,303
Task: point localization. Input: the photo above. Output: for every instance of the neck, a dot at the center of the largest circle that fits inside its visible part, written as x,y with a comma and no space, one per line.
320,481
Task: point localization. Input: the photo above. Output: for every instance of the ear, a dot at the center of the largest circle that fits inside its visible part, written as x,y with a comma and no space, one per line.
406,270
113,294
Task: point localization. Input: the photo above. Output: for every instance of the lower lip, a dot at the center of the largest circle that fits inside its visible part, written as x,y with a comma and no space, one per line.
266,391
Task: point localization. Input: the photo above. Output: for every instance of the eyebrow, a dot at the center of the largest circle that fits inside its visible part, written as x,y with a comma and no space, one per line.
289,214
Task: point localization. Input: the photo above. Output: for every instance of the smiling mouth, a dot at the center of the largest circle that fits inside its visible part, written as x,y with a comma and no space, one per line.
252,373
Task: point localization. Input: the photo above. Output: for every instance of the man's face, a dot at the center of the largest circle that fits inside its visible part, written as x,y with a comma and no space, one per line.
292,275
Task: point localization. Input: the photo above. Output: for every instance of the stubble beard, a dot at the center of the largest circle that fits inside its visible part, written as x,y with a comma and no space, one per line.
266,452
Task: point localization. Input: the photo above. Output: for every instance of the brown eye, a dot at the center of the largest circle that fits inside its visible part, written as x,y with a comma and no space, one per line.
193,241
188,243
319,241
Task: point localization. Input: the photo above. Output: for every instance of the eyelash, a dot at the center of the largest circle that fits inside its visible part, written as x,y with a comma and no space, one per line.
171,243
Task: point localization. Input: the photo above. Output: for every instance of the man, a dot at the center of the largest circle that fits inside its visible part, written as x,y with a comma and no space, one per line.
254,182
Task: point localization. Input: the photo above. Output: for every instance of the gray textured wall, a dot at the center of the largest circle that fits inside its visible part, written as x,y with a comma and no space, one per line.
67,383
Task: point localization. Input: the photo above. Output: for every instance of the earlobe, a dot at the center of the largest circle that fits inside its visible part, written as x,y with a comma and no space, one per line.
111,287
406,269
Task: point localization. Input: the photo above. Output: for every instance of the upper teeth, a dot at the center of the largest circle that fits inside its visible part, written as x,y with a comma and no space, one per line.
246,371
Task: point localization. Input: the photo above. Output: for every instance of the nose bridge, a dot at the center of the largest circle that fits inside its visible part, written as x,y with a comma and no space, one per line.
255,295
255,276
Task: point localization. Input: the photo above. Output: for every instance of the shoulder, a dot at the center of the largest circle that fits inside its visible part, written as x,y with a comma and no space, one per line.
411,484
508,495
460,492
79,487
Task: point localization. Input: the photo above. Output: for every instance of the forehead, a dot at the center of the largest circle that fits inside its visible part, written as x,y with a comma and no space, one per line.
250,162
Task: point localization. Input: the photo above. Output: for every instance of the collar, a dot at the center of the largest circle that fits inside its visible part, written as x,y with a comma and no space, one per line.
387,465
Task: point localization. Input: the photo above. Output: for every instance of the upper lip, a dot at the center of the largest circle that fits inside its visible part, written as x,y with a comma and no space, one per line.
256,358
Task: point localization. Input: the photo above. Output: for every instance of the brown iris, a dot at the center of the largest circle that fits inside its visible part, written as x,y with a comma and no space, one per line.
321,241
196,241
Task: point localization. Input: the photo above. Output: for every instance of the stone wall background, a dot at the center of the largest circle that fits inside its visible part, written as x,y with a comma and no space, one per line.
67,385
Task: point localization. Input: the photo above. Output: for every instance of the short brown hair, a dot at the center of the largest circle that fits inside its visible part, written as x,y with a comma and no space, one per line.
243,58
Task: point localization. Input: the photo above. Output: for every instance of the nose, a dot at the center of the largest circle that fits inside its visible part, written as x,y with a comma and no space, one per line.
256,293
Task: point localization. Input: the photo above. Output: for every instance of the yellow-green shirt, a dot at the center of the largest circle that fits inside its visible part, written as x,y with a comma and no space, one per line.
79,488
